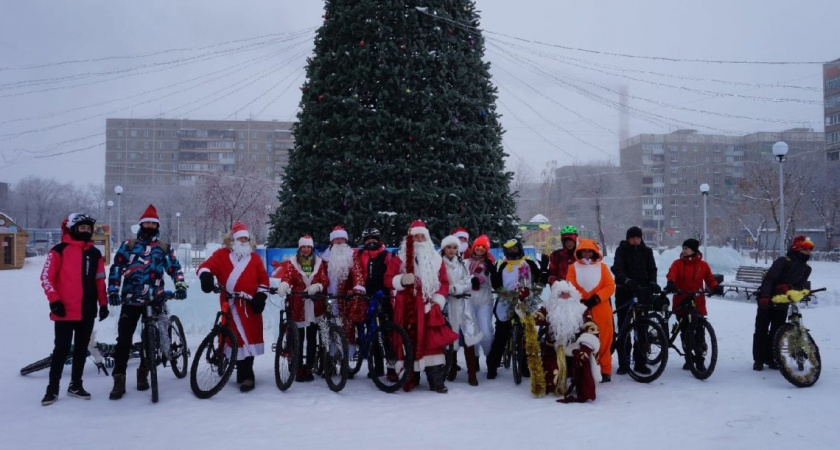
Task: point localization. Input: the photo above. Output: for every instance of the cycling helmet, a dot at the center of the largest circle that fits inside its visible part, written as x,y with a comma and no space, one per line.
77,219
569,229
371,233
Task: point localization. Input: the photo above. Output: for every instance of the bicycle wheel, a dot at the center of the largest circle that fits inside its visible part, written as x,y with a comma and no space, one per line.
213,362
390,358
642,348
151,345
285,356
335,359
797,355
516,354
702,349
179,352
37,365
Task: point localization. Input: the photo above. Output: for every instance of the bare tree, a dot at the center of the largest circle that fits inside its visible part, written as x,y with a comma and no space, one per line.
224,200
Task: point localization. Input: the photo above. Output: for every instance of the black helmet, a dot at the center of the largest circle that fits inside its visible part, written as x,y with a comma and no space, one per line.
371,233
76,219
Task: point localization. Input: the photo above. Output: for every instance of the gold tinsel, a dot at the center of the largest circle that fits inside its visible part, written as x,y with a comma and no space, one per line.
561,373
532,349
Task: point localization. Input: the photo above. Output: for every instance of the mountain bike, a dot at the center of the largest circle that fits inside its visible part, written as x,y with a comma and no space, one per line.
641,343
286,348
101,353
331,360
163,340
513,356
699,340
794,349
216,355
386,347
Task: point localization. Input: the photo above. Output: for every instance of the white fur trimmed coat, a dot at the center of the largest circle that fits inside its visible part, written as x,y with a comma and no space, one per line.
461,317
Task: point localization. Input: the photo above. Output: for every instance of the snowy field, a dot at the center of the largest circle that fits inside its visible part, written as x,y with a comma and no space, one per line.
735,409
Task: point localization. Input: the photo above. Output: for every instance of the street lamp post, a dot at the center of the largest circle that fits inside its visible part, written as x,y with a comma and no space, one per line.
178,221
119,190
780,149
658,225
110,205
704,189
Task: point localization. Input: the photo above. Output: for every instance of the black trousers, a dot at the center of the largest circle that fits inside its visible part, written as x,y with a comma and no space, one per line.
767,322
129,316
67,332
311,333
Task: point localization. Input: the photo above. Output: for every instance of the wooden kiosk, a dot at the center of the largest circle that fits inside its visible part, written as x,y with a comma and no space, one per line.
13,240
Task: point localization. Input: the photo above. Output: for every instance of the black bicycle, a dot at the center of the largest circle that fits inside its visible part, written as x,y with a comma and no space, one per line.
386,347
698,342
794,349
286,348
331,360
216,355
163,340
514,355
641,343
101,353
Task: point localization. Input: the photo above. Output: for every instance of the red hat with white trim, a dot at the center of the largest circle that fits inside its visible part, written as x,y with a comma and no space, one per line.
461,232
239,230
338,232
150,215
306,240
419,227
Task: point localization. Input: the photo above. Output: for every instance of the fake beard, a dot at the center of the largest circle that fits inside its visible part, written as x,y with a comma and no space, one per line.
427,267
241,249
341,257
462,247
565,318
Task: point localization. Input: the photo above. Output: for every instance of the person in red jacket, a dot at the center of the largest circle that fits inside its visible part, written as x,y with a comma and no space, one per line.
73,279
560,259
688,274
240,270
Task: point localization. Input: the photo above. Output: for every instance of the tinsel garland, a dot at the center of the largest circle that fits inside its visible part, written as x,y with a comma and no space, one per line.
791,295
532,349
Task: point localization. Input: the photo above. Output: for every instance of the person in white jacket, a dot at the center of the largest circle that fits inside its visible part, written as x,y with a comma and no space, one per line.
461,313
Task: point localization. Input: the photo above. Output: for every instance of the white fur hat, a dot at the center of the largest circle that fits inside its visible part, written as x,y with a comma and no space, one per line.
450,240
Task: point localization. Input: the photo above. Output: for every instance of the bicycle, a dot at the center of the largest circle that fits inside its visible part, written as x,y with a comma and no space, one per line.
101,353
701,337
513,356
794,349
216,355
331,360
641,343
286,348
386,347
158,325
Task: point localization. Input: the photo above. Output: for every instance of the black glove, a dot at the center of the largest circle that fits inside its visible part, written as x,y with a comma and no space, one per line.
57,308
631,284
207,283
718,290
475,283
670,287
592,301
114,296
180,290
258,302
103,313
654,288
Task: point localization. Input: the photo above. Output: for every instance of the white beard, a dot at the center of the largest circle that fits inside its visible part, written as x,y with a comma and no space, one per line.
565,318
426,267
241,249
341,258
462,247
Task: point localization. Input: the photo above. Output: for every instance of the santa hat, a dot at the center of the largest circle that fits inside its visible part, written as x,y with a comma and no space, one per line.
239,230
481,241
461,232
419,227
150,215
450,240
338,232
306,240
801,243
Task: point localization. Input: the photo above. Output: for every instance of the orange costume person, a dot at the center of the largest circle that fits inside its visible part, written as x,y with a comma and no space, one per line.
594,280
305,272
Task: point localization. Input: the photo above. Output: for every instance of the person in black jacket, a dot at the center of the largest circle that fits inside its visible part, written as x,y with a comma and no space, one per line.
787,272
633,267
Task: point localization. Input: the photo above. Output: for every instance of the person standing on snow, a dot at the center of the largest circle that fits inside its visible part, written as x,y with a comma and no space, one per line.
240,270
73,279
560,259
482,269
139,266
345,273
461,313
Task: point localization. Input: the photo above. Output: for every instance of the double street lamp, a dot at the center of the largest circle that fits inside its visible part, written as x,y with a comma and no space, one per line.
178,222
704,189
780,149
658,226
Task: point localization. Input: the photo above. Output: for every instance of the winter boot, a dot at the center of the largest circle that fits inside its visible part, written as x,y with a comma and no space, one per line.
759,348
758,366
51,396
477,365
497,347
119,387
436,380
453,370
247,368
772,364
239,374
412,382
472,365
142,379
77,390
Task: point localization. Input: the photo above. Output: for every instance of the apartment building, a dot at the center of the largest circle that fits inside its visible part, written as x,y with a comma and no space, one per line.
831,94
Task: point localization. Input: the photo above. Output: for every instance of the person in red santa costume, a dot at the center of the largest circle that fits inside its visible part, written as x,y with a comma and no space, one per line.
344,269
240,270
305,272
418,276
571,334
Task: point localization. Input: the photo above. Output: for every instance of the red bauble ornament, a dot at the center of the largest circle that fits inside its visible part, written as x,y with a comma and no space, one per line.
410,139
320,97
403,47
361,43
450,31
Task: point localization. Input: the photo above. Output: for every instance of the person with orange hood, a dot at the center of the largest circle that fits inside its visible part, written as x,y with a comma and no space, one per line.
592,277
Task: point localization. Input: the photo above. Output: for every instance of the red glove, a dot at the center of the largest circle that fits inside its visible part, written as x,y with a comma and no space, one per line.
524,293
781,289
764,302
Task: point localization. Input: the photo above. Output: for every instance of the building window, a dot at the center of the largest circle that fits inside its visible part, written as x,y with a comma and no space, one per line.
160,145
255,135
833,156
132,145
674,158
160,133
717,181
120,133
174,157
147,133
147,145
119,156
674,169
254,146
119,144
133,133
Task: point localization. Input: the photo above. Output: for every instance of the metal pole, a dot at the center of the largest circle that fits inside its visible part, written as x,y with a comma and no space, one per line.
119,218
781,209
705,250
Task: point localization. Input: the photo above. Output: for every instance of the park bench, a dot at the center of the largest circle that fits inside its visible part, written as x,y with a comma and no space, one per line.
748,280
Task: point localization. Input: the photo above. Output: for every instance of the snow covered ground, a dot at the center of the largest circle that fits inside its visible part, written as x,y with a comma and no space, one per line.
736,408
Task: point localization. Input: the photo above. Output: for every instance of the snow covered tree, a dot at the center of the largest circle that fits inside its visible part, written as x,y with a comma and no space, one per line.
397,122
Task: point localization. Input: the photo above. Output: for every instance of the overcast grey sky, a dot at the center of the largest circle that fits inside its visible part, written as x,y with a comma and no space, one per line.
556,103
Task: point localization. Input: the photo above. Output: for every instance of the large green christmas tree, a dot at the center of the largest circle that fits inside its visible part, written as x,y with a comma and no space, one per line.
398,122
